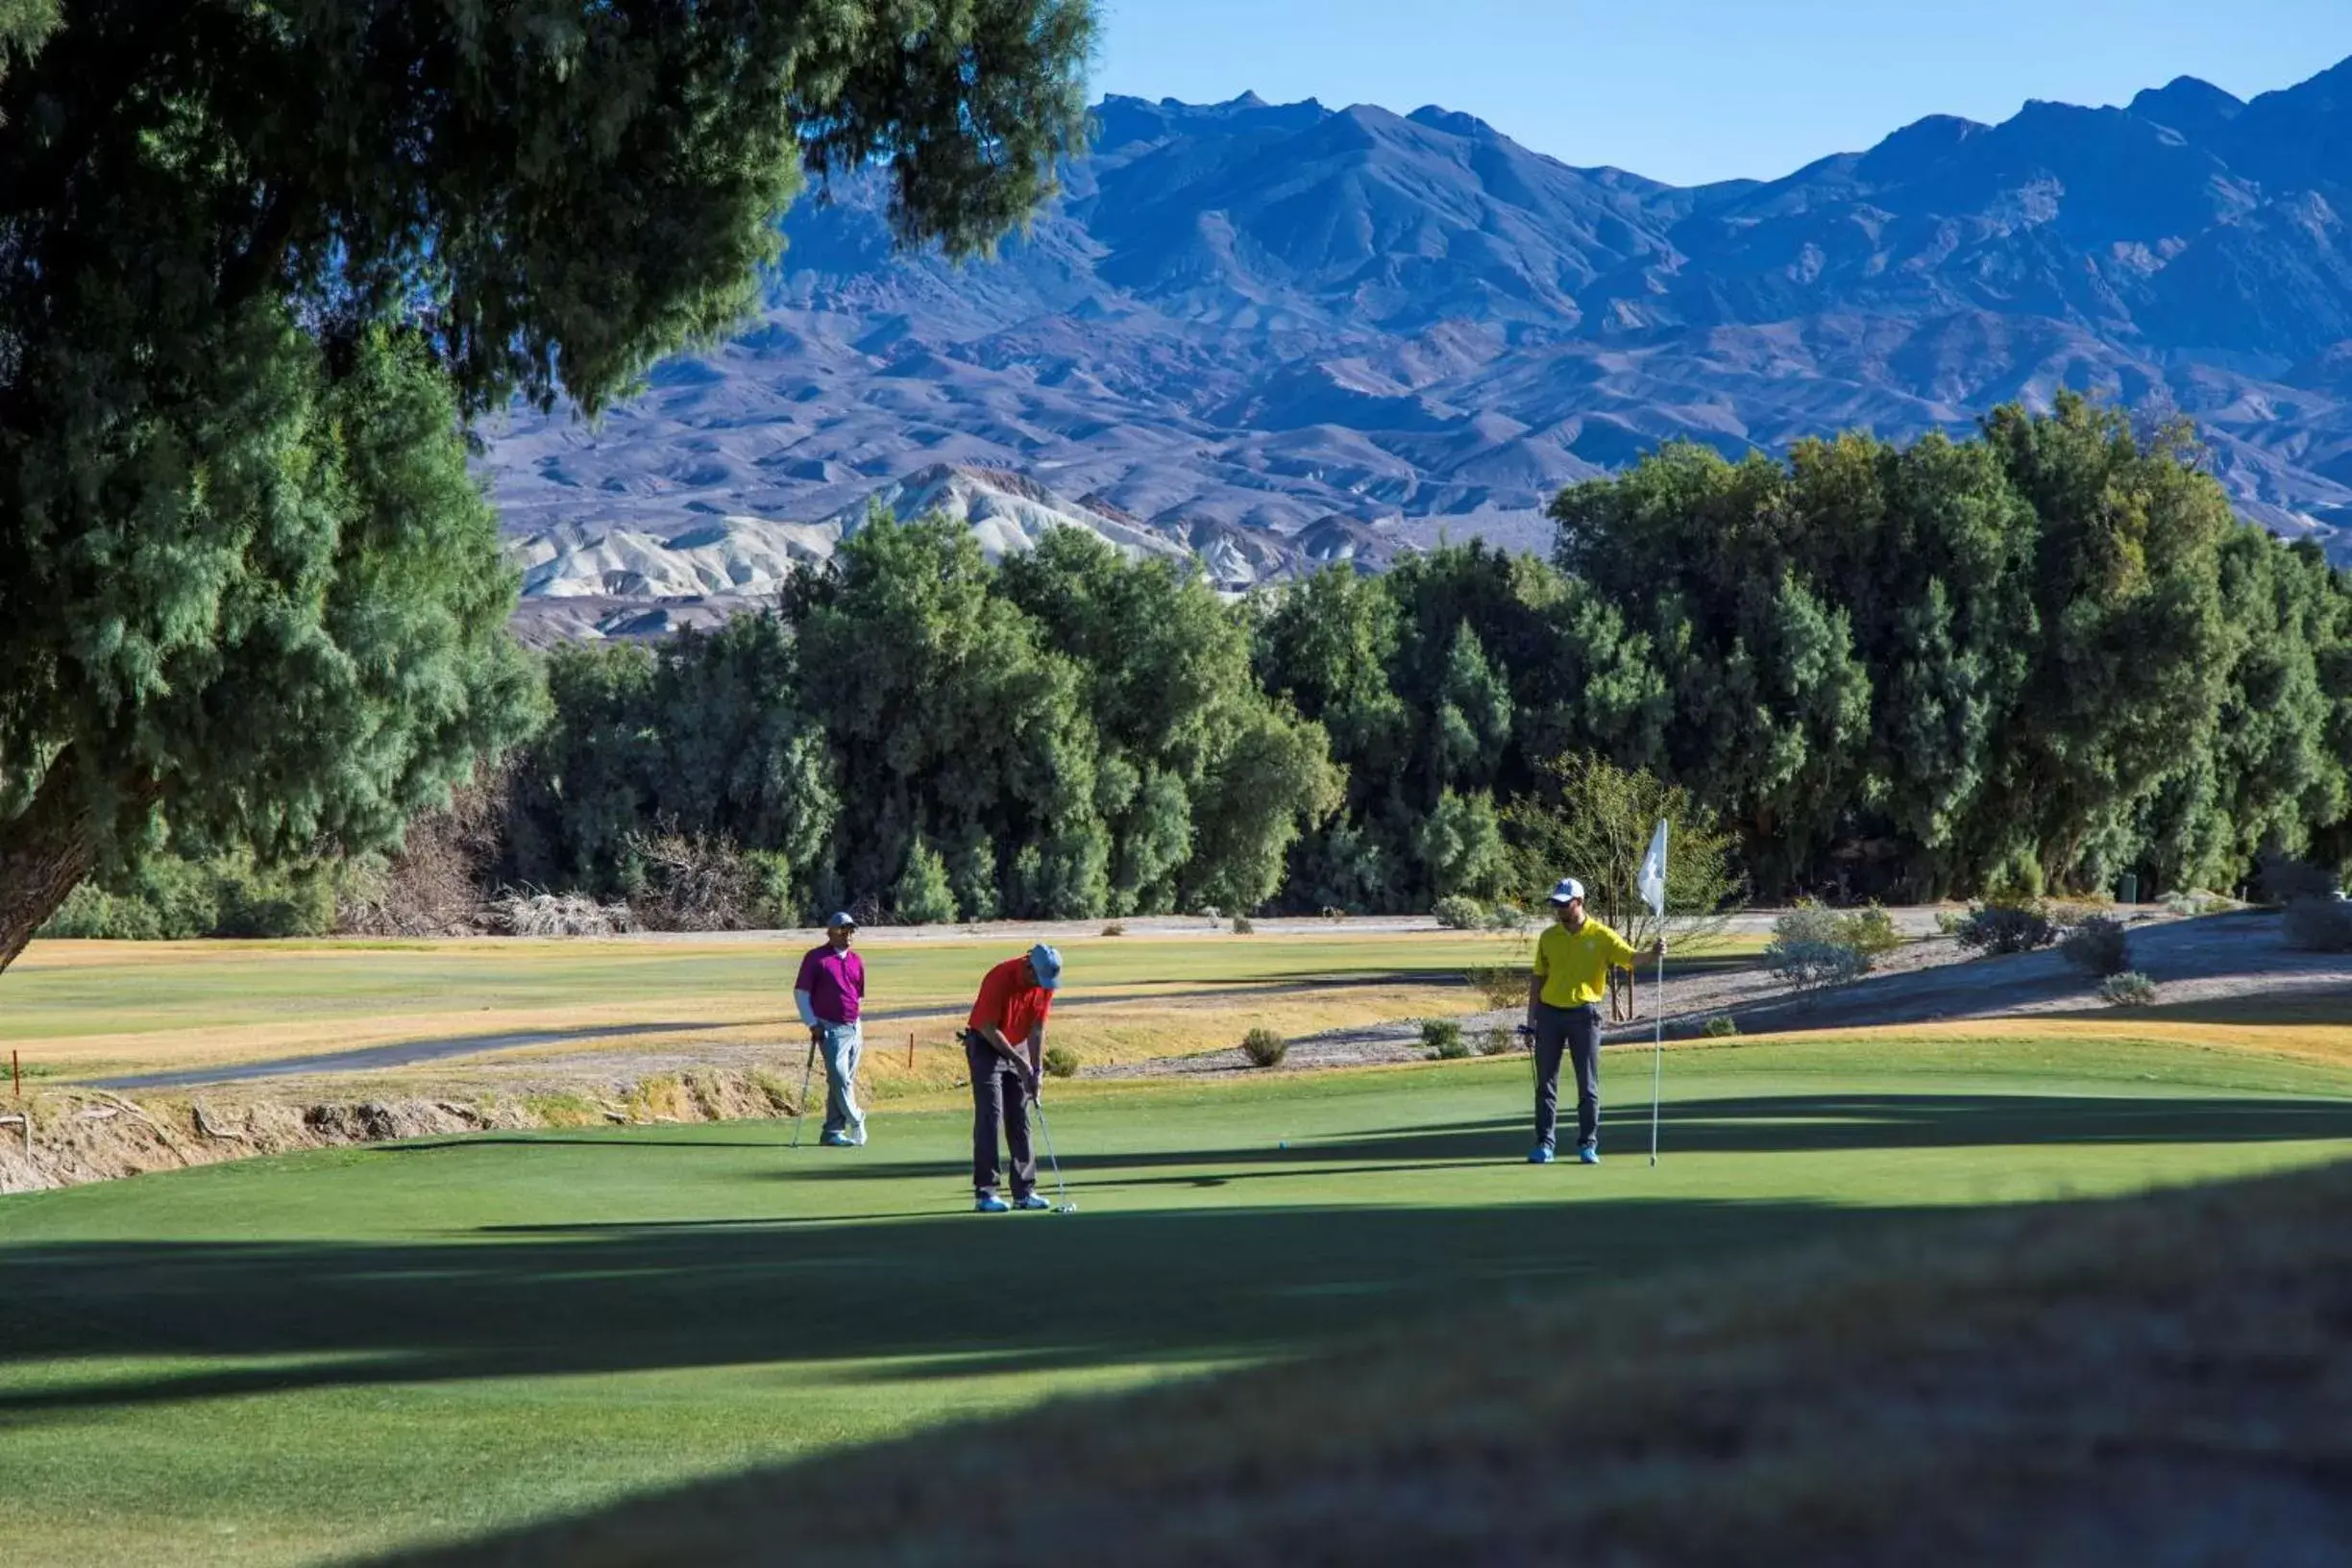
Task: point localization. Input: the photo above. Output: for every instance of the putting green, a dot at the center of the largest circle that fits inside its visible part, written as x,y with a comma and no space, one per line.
302,1359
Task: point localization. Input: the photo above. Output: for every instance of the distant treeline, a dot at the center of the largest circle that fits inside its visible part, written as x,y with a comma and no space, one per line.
2029,661
2034,659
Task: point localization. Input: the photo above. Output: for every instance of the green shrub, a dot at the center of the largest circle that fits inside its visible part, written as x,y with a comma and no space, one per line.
1457,912
1242,926
2097,946
768,879
2129,988
2007,928
172,900
1718,1027
1506,917
923,895
2319,926
1869,931
1442,1038
1061,1062
1265,1048
1496,1041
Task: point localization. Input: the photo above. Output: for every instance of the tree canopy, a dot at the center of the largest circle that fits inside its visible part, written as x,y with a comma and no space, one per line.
259,261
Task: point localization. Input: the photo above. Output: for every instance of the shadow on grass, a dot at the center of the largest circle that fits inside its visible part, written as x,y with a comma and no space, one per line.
1780,1124
1018,1293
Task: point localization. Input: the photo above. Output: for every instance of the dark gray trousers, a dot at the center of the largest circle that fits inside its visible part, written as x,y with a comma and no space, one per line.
1000,1099
1577,1031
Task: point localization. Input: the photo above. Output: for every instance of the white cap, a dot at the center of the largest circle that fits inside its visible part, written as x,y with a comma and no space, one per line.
1566,889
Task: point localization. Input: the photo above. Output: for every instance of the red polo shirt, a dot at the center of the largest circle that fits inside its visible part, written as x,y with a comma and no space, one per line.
1011,1001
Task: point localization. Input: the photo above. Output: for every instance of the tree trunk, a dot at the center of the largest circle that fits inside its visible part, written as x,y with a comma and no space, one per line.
44,854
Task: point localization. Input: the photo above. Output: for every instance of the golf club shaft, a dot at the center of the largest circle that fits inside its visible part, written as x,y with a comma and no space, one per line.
808,1074
1045,1128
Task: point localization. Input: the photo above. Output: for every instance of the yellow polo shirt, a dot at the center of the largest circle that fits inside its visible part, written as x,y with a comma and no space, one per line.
1574,965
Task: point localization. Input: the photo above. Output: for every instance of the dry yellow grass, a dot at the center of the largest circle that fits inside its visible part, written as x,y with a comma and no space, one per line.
2312,1032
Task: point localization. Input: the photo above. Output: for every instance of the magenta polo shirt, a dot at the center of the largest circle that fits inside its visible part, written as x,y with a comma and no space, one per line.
836,982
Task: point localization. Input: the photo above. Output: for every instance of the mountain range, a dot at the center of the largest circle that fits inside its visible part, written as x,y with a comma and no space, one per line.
1241,320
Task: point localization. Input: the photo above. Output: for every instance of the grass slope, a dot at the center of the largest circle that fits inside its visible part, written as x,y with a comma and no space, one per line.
292,1359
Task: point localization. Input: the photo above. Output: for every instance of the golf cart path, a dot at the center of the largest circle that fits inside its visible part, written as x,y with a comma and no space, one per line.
2211,958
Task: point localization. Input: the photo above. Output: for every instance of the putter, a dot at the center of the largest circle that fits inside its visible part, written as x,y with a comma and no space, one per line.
808,1071
1065,1207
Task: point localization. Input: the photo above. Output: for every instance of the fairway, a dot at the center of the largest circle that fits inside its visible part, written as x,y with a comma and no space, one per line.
81,1009
301,1359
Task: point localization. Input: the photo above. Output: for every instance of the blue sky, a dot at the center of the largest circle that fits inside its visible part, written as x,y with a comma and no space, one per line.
1689,90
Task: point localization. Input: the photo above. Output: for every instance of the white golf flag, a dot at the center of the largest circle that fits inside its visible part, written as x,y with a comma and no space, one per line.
1652,880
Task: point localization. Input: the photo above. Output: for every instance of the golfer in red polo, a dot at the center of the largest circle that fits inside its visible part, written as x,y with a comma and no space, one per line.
1004,1044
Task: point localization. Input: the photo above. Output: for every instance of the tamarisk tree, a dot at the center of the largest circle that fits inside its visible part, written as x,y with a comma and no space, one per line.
260,263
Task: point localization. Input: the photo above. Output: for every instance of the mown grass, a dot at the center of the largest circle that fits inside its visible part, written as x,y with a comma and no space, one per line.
295,1358
124,1007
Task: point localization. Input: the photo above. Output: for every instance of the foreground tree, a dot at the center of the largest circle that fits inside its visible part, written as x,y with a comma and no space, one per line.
259,260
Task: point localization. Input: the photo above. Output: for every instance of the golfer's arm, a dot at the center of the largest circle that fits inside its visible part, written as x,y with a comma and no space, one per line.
1535,982
1036,1050
808,1013
1002,1046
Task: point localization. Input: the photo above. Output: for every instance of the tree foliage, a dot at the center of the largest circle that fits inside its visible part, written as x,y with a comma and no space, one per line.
258,263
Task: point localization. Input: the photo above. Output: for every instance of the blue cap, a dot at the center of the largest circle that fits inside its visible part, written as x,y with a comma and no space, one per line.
1048,964
839,919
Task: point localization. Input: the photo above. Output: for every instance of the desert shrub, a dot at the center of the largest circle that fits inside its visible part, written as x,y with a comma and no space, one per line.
1498,986
1810,965
1457,912
1114,929
1718,1027
1813,945
1949,921
1333,912
1264,1047
1507,916
1496,1041
701,882
2194,902
2129,988
2319,926
1443,1040
2007,928
1242,926
2097,946
2283,879
438,882
1061,1062
559,914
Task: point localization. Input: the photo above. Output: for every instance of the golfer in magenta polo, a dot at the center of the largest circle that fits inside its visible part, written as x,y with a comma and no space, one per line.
831,985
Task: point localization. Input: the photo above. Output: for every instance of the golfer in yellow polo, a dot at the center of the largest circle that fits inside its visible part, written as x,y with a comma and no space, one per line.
1573,957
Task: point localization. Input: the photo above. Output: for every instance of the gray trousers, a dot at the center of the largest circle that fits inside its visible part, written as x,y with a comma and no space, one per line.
1577,1031
843,1045
1000,1099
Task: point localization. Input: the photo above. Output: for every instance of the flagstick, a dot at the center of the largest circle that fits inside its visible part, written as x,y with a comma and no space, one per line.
1658,1052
